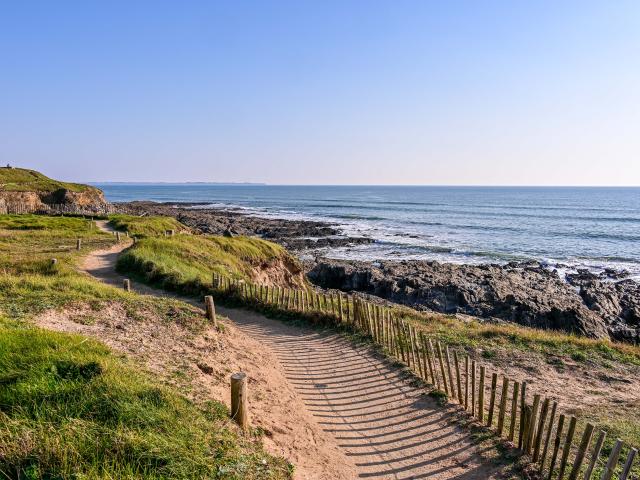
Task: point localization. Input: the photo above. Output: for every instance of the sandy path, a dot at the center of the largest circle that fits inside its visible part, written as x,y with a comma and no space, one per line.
356,406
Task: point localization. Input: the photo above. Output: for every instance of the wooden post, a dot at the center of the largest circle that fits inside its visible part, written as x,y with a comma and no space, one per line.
423,353
425,346
532,428
538,438
492,401
523,398
595,454
458,380
78,244
503,405
556,446
211,310
118,237
582,450
444,375
341,315
473,388
466,382
613,461
626,470
126,284
548,437
481,395
526,417
239,410
567,447
514,410
54,262
451,384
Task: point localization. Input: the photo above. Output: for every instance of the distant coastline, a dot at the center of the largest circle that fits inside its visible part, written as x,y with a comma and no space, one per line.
98,184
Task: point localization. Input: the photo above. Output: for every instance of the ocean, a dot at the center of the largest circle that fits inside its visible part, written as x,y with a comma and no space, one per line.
580,227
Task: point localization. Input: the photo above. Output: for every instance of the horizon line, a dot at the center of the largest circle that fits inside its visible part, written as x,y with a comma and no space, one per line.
264,184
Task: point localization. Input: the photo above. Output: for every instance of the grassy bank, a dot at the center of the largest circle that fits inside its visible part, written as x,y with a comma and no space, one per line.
145,226
21,180
69,408
185,263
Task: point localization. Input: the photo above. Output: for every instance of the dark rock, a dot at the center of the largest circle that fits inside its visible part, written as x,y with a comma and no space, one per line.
522,293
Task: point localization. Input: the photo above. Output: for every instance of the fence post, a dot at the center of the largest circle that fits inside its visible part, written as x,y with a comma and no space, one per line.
523,398
627,465
78,244
540,431
503,404
211,310
548,437
481,394
582,450
567,447
126,284
492,400
594,455
612,461
239,409
531,431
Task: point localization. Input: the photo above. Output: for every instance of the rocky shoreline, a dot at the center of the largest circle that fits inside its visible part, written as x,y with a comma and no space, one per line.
595,305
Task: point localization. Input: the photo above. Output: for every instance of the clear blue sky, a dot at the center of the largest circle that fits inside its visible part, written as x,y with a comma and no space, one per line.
373,92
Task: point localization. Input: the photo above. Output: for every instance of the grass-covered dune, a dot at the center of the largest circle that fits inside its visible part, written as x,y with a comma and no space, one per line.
69,407
22,180
185,263
145,226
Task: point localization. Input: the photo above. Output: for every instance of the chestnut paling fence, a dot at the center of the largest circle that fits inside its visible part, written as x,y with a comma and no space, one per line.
557,443
19,208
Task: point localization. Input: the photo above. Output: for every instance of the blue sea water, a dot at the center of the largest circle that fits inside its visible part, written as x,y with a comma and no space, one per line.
585,227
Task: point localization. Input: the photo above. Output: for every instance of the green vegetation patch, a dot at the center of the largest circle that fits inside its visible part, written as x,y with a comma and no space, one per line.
24,180
71,409
145,226
498,340
185,263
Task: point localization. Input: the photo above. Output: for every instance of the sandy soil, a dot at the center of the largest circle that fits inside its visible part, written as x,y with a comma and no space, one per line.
336,410
578,387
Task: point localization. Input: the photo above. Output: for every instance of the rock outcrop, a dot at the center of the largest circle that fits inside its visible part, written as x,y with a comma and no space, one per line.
528,294
31,190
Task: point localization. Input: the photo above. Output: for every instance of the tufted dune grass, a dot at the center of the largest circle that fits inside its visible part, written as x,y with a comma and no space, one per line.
145,226
185,263
22,179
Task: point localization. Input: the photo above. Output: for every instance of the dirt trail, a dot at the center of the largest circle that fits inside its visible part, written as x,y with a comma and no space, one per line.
352,414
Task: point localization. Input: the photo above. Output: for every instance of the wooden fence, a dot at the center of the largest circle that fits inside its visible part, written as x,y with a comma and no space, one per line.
554,441
17,208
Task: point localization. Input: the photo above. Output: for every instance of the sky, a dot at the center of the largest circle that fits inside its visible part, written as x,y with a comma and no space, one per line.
323,92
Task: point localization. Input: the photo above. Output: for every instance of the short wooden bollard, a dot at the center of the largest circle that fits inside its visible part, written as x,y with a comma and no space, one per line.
117,236
211,310
54,261
239,410
126,284
78,244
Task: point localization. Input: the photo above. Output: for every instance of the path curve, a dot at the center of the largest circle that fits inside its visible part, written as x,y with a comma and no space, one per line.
385,425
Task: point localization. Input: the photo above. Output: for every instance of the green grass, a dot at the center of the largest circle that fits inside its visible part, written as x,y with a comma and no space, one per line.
71,409
145,226
21,180
498,340
185,263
